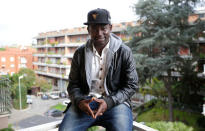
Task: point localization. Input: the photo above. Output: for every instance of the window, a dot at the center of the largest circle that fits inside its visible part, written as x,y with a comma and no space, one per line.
3,66
12,65
22,66
11,59
3,59
12,73
23,60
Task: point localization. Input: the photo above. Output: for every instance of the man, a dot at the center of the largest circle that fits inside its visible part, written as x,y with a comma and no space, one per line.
103,66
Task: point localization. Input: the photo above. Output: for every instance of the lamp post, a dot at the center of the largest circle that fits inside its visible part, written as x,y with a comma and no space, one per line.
61,77
20,105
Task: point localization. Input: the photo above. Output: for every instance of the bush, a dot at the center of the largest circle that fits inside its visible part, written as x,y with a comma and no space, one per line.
7,129
94,128
169,126
147,106
201,121
23,97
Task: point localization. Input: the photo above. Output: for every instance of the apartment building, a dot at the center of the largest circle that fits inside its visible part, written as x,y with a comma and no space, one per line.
55,50
199,14
12,59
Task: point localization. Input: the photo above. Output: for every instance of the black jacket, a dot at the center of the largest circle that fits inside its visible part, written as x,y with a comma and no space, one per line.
121,76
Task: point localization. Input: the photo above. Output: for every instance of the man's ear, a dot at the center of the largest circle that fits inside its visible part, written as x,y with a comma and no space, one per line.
110,27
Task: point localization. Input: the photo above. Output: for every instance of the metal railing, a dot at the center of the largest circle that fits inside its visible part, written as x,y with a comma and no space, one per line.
5,95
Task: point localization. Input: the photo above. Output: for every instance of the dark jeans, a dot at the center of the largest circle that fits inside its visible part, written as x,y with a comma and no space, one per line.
119,118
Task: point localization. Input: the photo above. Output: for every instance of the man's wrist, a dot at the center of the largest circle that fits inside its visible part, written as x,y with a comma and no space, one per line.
109,101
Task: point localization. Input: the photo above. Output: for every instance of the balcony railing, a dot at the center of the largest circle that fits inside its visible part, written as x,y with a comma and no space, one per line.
59,45
5,99
53,74
53,126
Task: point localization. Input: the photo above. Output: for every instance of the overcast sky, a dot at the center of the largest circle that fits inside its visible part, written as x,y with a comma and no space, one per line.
21,20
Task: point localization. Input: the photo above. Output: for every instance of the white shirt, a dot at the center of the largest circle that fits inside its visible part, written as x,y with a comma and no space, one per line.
98,70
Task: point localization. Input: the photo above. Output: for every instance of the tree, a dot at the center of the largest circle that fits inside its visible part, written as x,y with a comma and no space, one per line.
164,29
43,84
187,89
29,77
156,88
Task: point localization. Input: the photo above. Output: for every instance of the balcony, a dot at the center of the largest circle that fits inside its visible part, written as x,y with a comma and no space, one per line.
40,55
52,65
53,126
39,63
52,74
59,45
68,55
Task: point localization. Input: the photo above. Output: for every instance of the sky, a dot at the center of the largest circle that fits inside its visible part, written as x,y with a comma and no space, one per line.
22,20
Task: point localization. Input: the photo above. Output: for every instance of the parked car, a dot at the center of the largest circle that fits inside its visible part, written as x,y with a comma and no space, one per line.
94,94
29,99
66,102
54,96
54,113
44,97
63,95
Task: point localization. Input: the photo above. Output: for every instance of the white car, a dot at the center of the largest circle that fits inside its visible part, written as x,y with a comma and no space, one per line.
29,99
95,94
54,96
66,102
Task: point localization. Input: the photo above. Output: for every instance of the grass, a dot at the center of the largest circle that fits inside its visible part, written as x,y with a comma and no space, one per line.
2,49
23,103
161,114
59,106
7,129
169,126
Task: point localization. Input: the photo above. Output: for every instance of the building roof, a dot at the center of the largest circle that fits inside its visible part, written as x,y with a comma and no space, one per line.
81,31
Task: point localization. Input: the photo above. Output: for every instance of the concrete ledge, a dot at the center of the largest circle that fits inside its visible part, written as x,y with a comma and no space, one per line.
4,121
53,126
141,127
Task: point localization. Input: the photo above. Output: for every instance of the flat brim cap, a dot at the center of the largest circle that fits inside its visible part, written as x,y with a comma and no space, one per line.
98,16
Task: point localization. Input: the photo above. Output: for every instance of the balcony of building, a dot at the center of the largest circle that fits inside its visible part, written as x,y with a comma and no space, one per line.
58,45
53,74
51,65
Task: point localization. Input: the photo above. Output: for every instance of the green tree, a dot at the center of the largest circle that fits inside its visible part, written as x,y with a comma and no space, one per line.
156,88
29,77
43,84
14,82
187,89
164,29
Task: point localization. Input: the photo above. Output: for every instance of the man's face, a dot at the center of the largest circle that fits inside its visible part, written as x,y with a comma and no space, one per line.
100,33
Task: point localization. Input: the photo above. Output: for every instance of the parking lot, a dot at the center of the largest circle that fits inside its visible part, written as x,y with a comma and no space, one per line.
35,112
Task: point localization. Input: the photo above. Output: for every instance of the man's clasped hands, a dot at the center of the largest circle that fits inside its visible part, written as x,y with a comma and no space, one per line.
94,107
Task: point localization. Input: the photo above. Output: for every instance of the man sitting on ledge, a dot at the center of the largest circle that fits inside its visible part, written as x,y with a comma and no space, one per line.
103,66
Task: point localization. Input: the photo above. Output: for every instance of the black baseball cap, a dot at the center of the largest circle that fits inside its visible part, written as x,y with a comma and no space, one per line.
98,16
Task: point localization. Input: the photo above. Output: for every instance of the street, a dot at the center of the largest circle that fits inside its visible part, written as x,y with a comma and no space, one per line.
34,114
